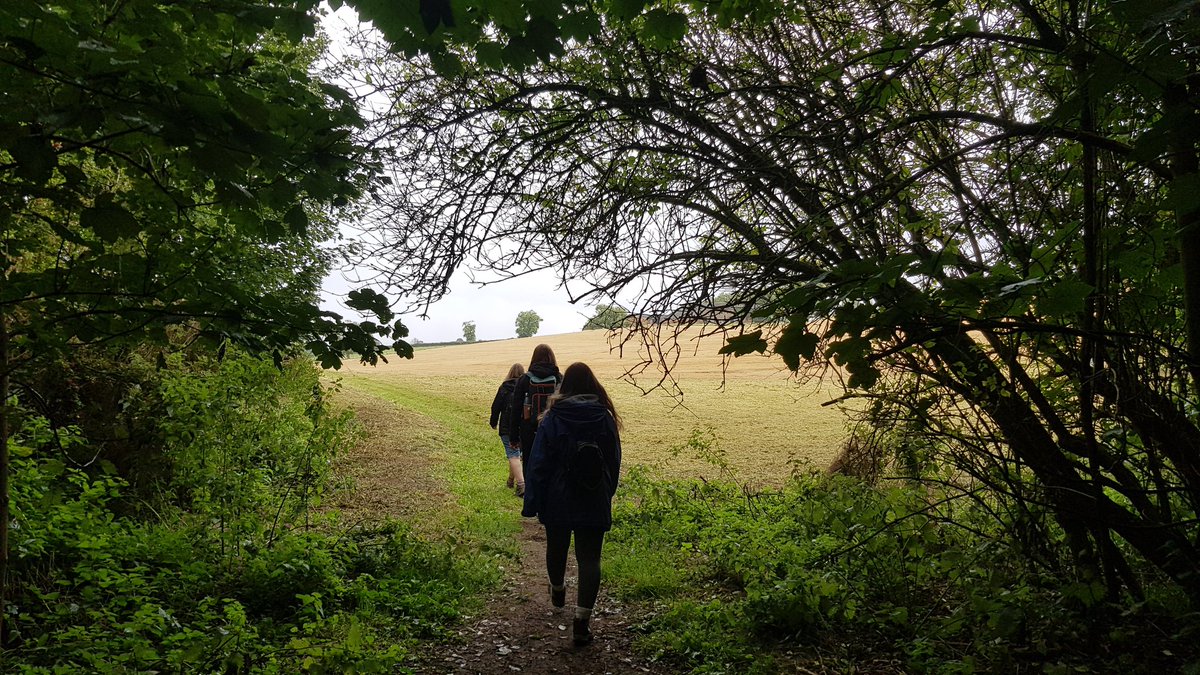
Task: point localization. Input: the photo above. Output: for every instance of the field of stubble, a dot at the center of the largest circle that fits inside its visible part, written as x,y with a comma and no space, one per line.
763,424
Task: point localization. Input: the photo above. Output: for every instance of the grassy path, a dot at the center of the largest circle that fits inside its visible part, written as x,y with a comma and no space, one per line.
468,461
515,629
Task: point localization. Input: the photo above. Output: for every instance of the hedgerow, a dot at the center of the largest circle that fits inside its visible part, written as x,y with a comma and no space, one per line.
831,570
228,566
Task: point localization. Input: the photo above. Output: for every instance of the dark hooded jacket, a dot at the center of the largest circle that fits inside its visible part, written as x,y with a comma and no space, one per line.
522,430
549,493
501,406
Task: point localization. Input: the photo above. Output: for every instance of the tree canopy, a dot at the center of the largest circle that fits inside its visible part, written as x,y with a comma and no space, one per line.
527,323
982,214
166,164
170,169
607,317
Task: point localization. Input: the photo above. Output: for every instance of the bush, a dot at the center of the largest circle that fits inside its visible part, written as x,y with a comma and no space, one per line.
833,570
230,571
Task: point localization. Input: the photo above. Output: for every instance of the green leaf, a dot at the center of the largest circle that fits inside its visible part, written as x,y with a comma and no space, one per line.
296,25
248,106
35,158
53,467
296,219
1064,299
509,14
663,28
740,345
862,375
624,10
796,343
850,352
580,26
368,300
1183,194
446,65
436,13
110,222
490,54
402,349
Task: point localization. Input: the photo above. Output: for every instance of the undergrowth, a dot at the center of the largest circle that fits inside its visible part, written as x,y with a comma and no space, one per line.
223,567
830,573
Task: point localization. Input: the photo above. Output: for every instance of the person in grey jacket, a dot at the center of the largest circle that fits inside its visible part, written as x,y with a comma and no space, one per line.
571,475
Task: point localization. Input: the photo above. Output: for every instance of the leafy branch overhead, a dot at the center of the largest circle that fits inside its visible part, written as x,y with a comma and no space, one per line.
175,164
520,33
982,212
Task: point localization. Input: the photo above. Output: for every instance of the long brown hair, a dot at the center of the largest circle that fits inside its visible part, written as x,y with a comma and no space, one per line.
515,371
543,353
579,379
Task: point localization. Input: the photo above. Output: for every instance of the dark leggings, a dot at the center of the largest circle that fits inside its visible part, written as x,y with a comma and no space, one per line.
587,555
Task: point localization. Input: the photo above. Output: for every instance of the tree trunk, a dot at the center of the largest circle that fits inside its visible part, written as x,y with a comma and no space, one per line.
4,515
1073,499
1184,164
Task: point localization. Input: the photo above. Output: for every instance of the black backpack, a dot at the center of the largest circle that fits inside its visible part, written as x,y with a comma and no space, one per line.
585,467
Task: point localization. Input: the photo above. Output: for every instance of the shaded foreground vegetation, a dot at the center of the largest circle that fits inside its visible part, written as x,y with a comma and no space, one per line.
167,520
195,541
832,574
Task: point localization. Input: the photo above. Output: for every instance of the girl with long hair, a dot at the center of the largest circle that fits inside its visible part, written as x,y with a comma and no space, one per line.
531,396
571,475
501,405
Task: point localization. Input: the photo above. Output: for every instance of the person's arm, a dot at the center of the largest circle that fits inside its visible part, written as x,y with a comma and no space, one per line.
498,405
614,460
514,411
535,470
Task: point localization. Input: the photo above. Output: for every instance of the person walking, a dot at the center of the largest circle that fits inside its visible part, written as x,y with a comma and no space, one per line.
531,396
571,475
500,410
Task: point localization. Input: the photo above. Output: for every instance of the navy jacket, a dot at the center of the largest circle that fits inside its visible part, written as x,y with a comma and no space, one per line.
501,405
548,494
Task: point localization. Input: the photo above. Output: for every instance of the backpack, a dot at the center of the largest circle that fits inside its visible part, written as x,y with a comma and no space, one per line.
585,468
538,398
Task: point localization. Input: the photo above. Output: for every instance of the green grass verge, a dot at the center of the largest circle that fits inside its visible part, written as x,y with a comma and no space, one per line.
488,516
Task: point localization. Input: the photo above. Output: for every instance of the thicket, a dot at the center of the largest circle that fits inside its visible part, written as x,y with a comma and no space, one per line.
984,214
834,571
166,518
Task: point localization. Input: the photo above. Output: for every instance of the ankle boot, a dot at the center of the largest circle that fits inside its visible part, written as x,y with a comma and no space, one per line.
580,633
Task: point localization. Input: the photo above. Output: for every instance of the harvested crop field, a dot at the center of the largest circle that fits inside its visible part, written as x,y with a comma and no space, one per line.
753,417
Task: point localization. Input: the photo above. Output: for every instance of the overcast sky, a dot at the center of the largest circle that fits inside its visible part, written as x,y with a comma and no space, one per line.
493,308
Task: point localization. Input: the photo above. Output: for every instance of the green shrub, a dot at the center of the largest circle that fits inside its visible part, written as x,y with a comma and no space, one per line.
834,570
231,572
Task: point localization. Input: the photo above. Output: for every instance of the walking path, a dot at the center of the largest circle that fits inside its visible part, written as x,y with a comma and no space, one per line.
518,630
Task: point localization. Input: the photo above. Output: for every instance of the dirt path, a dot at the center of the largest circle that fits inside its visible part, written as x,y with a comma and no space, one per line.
518,630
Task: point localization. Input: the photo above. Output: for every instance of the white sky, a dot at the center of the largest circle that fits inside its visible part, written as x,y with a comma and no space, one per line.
493,308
